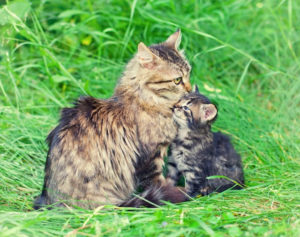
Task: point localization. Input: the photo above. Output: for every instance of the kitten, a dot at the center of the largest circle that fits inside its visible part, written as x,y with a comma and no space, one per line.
102,150
197,152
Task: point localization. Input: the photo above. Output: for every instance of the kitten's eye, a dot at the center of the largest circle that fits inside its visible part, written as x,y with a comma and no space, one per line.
185,108
178,80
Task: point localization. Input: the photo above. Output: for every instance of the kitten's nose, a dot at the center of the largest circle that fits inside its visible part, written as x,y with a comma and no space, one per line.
176,106
176,109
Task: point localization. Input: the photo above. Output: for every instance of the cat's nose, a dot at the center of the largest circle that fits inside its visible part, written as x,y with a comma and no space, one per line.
188,87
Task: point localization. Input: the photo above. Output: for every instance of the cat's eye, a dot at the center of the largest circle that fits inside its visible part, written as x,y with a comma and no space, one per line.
185,108
178,80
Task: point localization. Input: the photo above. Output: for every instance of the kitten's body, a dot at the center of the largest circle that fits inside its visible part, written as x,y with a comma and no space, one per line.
103,149
197,153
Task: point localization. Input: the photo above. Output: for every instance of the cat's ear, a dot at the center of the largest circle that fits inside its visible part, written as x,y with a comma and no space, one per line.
208,112
196,89
174,40
145,56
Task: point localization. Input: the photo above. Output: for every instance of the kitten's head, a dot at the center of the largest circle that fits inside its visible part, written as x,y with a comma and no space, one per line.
160,74
194,111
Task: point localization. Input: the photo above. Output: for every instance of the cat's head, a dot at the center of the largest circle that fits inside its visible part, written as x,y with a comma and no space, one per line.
159,73
194,110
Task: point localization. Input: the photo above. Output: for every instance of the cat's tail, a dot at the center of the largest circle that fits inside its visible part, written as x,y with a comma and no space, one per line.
154,195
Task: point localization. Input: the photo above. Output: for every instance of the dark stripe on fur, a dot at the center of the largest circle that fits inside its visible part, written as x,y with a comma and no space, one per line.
159,82
172,164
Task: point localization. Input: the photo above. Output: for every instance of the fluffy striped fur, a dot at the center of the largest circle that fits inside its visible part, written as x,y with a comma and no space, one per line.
198,153
102,150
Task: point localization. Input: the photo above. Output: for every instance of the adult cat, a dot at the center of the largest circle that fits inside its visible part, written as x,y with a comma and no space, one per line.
102,150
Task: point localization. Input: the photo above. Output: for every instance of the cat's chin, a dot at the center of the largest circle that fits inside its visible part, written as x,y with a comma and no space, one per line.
179,121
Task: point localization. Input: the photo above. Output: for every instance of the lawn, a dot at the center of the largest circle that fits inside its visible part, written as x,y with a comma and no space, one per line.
245,58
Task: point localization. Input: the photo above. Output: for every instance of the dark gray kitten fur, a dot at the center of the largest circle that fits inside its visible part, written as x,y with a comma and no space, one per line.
197,152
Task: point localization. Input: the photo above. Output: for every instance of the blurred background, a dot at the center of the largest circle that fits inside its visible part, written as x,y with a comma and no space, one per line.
244,56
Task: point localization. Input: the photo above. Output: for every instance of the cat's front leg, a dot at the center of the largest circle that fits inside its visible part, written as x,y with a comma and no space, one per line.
152,171
173,172
158,161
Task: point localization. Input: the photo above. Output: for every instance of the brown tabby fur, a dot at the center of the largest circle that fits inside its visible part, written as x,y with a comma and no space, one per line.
102,150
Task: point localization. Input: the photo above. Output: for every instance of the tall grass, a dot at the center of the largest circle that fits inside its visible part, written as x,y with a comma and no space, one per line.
245,57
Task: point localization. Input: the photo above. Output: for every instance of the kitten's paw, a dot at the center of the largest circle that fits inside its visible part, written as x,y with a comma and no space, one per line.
205,191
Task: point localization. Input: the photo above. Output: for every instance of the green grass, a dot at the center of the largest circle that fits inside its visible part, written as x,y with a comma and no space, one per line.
245,57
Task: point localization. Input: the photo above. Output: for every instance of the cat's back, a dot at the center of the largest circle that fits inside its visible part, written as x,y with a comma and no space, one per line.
222,144
87,149
226,162
87,120
225,156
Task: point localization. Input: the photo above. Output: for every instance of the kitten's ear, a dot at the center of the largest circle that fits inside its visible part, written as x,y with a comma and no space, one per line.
174,40
196,89
208,112
145,56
